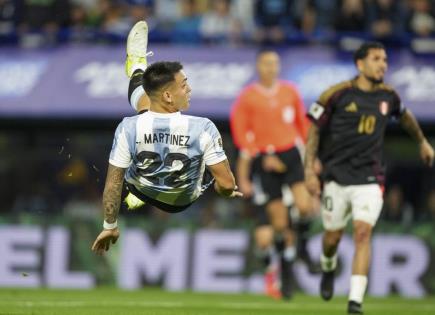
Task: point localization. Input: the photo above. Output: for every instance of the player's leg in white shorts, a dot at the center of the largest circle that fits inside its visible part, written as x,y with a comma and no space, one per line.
366,201
335,207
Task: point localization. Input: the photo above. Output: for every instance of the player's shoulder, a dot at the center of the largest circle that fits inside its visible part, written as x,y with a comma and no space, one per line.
387,88
334,90
130,118
197,120
129,121
200,125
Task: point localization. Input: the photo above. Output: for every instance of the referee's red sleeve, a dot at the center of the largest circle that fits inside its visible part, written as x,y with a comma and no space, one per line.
240,130
302,123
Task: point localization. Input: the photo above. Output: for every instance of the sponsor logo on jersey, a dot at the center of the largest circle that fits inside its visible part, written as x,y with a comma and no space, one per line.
383,107
351,108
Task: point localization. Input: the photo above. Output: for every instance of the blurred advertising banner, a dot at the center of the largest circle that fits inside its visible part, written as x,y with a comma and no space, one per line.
202,260
89,81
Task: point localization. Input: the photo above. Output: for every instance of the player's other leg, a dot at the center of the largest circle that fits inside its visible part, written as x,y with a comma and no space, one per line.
362,232
135,65
366,207
328,262
334,218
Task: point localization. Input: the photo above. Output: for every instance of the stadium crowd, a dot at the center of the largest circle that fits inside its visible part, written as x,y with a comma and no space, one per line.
35,23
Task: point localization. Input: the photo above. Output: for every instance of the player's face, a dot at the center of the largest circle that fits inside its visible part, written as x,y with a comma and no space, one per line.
374,66
180,91
268,66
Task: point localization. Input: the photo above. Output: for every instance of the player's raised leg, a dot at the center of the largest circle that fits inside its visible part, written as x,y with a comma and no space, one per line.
135,65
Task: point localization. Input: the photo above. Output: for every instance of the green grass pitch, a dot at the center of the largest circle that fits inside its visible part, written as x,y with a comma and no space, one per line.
107,301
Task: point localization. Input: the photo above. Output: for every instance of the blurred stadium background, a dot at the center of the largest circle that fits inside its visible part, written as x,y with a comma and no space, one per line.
63,90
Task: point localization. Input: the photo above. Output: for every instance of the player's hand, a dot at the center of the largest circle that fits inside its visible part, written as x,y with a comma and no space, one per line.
426,153
246,188
313,183
102,243
272,163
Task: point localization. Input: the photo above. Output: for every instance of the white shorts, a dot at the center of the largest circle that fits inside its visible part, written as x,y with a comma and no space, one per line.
339,203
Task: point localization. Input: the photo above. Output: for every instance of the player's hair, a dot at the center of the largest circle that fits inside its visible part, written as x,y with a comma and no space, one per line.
363,50
159,74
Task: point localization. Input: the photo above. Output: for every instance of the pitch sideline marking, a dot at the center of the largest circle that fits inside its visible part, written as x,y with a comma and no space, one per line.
223,305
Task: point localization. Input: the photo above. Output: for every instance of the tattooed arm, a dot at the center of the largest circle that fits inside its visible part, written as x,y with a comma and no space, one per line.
225,183
111,204
112,193
311,179
410,124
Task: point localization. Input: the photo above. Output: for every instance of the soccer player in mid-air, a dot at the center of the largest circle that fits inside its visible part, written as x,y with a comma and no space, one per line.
161,154
350,119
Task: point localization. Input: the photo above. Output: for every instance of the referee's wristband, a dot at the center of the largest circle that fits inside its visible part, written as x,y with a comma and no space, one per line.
110,226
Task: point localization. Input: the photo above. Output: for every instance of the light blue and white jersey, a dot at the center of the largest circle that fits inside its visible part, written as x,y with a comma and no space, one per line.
166,154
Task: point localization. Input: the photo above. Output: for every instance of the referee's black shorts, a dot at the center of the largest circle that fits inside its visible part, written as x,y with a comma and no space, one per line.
272,182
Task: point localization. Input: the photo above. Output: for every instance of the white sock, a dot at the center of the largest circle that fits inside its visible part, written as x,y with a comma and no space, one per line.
358,285
328,263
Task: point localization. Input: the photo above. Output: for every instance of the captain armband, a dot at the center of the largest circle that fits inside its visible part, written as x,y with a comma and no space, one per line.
316,110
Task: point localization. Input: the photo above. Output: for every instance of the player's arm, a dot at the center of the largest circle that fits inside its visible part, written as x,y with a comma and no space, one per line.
319,113
410,124
119,161
111,203
311,179
217,162
112,193
225,184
